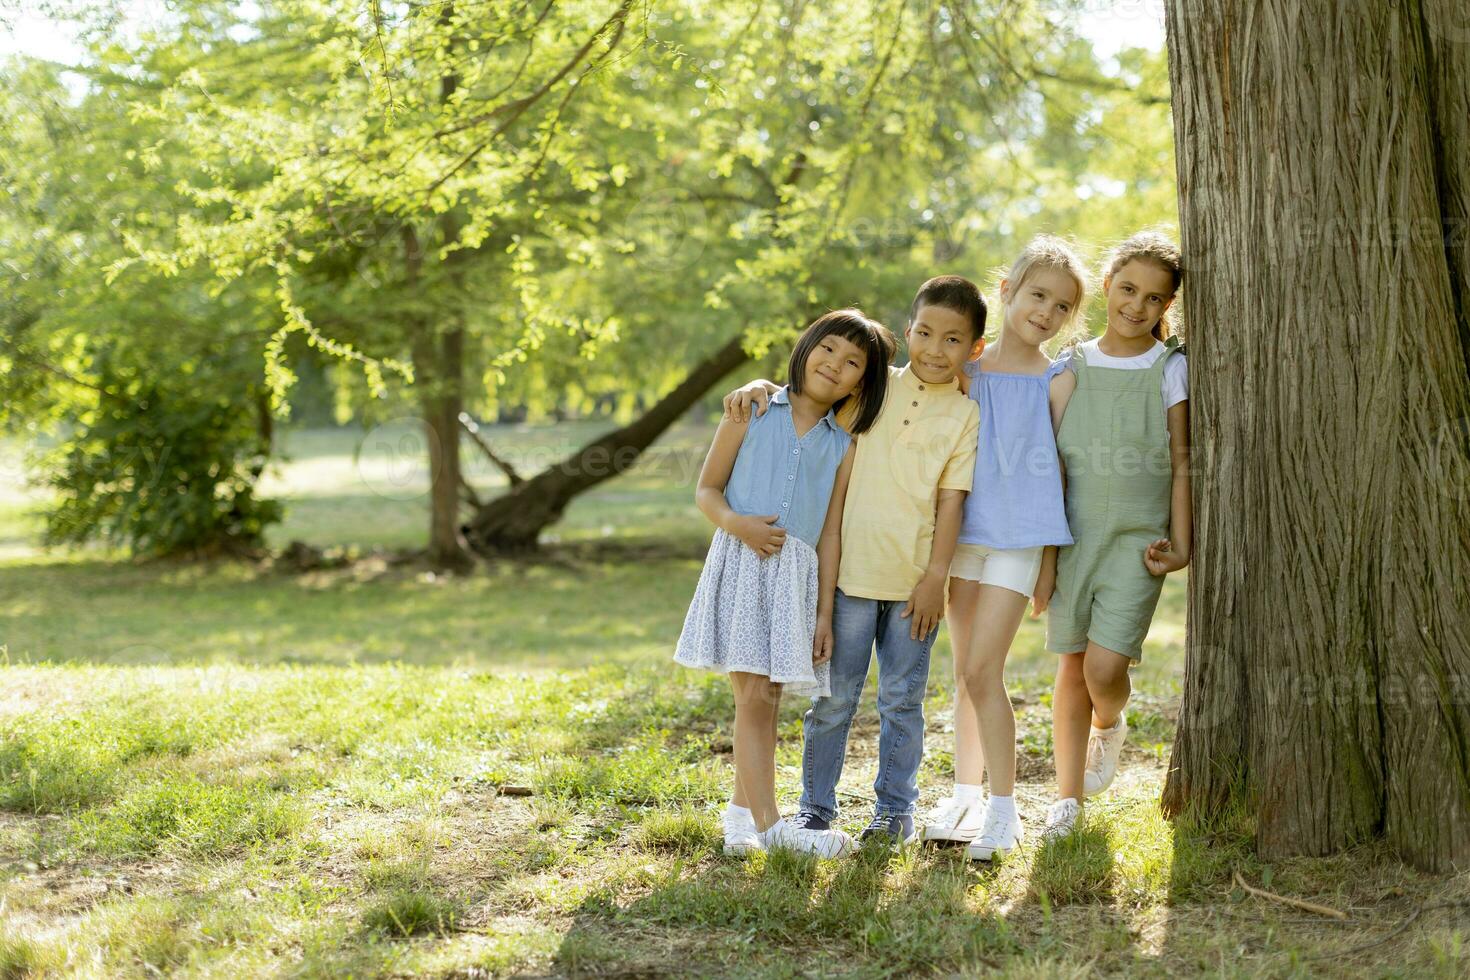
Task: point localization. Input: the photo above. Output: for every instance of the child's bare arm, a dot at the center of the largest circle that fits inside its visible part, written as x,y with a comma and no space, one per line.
829,558
1172,553
756,532
758,393
1046,581
926,603
1060,394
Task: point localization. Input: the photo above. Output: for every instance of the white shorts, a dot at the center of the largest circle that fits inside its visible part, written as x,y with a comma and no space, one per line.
1010,568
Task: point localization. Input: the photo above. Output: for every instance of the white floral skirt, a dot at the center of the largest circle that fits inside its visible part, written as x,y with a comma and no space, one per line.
756,615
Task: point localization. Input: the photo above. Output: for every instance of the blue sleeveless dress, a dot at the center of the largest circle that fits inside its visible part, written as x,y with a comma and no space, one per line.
758,615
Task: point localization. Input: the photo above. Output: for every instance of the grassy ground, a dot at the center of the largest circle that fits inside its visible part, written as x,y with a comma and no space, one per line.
223,770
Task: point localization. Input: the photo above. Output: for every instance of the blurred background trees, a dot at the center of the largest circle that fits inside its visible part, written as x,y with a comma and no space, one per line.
228,217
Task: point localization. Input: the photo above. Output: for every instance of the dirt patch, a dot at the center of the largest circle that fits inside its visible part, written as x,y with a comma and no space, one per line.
46,895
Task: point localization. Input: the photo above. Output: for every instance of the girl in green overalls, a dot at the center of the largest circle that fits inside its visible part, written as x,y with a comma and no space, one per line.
1123,437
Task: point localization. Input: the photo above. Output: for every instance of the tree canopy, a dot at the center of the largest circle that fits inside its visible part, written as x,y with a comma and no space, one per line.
546,205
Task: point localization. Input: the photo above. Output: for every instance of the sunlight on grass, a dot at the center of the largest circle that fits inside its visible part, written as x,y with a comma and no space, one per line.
215,770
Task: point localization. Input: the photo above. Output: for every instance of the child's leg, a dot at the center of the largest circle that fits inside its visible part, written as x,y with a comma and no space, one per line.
998,613
969,759
903,673
1071,713
756,703
825,725
1108,685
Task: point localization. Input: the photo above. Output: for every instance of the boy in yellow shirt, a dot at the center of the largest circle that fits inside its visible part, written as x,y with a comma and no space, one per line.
898,528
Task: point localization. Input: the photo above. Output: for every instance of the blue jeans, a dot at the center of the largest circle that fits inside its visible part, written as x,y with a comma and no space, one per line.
903,672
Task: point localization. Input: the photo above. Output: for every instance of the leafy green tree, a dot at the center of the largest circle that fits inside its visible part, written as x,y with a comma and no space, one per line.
906,141
590,204
151,383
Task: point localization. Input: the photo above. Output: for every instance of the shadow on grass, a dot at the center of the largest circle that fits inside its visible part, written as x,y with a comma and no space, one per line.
1074,870
1203,931
876,913
578,607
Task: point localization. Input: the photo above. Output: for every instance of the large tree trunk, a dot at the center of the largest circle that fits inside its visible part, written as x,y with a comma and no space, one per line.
438,364
512,522
1322,155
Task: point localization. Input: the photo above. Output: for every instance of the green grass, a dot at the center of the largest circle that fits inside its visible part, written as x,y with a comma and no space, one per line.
221,770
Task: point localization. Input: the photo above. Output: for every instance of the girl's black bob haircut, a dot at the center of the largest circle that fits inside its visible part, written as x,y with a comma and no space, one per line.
875,341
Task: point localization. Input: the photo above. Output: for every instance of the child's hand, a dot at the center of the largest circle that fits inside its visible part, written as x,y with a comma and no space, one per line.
822,641
738,402
1046,585
758,535
1160,558
926,606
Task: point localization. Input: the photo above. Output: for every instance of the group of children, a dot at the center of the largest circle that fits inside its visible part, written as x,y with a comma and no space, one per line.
855,502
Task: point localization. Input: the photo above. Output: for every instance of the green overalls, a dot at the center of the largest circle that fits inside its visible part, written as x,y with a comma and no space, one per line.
1114,443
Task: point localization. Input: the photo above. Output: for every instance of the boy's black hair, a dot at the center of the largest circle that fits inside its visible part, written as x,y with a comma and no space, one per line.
874,339
953,293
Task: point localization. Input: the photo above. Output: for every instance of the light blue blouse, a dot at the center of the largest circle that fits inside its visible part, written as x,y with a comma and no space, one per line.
777,473
1016,500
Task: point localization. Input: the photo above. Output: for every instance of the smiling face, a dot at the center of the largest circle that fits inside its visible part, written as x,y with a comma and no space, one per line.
1138,294
940,341
834,369
1041,305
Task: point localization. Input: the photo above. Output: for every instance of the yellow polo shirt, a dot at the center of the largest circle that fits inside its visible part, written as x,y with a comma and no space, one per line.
924,442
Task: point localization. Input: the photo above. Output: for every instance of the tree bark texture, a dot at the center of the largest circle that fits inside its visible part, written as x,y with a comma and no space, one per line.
513,521
1323,150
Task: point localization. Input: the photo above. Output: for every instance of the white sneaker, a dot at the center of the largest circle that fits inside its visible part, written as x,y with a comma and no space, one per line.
1061,819
952,819
794,835
741,837
1000,835
1104,745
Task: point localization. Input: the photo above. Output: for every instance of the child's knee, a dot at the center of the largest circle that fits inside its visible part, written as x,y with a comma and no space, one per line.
1069,670
984,677
1104,669
836,709
900,698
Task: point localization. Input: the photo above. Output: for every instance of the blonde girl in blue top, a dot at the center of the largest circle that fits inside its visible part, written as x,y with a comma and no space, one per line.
1124,444
1014,518
768,486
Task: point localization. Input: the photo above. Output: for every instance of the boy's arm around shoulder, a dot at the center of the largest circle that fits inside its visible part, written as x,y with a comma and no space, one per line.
756,393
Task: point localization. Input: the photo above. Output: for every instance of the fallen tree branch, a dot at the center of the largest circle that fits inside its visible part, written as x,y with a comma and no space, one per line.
1287,900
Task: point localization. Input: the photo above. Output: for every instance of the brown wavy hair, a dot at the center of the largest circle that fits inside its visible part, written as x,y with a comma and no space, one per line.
1150,246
